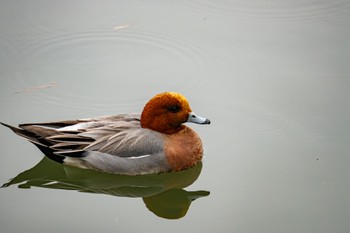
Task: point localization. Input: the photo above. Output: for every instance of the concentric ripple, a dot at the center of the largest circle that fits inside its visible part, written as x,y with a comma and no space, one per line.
269,10
6,53
346,82
337,141
120,50
98,47
264,124
3,51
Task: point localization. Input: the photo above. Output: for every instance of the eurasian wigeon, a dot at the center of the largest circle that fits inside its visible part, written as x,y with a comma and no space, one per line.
155,141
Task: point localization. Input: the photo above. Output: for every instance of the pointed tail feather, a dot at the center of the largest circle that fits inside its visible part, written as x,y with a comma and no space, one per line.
25,134
37,140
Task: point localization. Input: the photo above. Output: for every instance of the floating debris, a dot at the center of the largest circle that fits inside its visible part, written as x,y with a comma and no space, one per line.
30,89
121,26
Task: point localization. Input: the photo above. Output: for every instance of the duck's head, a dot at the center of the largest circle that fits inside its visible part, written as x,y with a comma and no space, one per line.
166,112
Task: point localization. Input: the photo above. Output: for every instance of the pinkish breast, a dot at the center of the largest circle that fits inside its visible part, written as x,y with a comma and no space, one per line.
183,149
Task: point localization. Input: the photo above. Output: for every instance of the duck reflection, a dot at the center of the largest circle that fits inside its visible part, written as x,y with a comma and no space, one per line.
163,194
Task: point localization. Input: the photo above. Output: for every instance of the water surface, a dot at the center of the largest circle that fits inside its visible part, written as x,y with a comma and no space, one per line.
272,76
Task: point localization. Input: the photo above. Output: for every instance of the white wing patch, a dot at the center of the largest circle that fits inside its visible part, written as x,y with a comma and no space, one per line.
79,126
138,157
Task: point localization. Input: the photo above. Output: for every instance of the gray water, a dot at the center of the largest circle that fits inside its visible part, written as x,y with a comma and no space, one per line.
272,76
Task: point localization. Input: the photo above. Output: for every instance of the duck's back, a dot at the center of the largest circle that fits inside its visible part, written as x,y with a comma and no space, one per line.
115,144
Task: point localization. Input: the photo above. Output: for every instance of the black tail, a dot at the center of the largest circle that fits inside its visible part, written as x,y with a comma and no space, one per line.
37,140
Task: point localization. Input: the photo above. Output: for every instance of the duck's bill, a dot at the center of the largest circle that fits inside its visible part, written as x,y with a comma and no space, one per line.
197,119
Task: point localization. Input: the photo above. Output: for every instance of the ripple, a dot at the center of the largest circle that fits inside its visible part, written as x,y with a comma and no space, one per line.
98,47
346,82
329,136
6,53
27,20
87,105
3,53
264,124
338,140
118,49
268,10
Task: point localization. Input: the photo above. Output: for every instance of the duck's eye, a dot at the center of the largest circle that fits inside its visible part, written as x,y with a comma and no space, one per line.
174,109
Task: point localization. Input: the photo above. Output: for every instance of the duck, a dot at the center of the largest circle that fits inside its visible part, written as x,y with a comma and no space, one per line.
155,141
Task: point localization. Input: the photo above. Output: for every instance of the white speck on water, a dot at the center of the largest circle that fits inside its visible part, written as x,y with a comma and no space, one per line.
121,26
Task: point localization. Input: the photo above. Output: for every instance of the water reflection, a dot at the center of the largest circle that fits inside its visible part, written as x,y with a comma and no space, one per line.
163,194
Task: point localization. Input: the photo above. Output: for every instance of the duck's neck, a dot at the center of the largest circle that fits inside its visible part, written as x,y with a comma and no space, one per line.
161,127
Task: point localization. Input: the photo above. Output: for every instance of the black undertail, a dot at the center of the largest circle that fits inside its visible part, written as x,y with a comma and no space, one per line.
54,144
